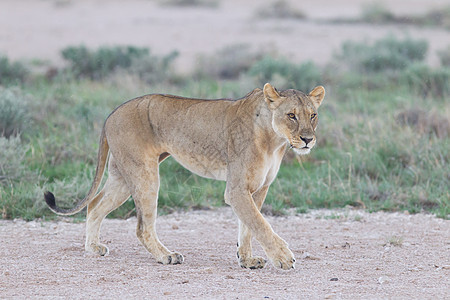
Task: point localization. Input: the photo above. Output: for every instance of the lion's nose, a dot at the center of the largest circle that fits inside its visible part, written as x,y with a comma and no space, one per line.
306,140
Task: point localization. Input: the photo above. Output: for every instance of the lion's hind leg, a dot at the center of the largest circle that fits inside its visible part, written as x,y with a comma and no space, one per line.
114,194
142,175
145,196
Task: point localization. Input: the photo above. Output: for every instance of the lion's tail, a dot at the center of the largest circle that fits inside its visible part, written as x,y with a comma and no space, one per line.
101,163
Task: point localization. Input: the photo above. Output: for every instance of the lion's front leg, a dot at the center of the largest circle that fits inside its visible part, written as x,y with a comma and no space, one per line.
244,252
244,207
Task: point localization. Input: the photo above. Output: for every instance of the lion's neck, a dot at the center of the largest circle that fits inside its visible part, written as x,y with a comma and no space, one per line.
257,111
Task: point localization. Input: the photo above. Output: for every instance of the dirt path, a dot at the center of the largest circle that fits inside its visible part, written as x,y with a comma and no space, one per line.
340,254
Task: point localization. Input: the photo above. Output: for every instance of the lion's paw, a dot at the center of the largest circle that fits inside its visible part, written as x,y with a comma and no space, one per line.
280,255
284,261
255,262
98,249
171,259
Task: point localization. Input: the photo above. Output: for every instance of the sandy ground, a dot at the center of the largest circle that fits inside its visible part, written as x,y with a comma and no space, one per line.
340,254
39,29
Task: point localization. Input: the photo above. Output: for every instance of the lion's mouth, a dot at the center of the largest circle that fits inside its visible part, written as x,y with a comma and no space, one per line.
302,151
293,147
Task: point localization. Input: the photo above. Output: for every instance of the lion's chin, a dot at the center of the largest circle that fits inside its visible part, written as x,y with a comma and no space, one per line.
302,151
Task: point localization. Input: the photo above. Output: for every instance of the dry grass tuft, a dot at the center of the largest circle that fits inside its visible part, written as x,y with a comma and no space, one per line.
396,241
424,122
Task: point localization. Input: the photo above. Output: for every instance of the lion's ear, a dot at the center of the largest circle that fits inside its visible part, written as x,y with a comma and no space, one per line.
317,95
272,96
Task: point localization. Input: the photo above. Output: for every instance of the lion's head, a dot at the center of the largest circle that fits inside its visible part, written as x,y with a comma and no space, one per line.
294,115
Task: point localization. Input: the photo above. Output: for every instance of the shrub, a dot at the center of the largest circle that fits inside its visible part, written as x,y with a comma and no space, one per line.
106,61
12,166
376,13
191,3
280,9
427,81
436,17
444,56
424,122
102,62
14,112
388,53
11,73
228,63
153,69
285,74
19,186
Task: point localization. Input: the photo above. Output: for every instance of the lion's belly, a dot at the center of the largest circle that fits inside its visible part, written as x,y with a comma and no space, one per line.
205,164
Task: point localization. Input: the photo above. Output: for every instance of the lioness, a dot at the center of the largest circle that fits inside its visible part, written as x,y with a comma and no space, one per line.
239,141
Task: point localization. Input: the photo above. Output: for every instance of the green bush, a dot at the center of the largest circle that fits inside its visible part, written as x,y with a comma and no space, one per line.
285,74
388,53
424,122
280,9
102,62
14,112
228,63
444,56
106,61
427,81
12,165
376,13
191,3
12,72
153,69
436,17
19,185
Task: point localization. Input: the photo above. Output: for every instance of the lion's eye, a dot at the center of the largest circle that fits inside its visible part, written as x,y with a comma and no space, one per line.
292,116
313,116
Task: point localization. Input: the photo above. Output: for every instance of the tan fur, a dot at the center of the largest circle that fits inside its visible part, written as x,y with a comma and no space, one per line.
239,141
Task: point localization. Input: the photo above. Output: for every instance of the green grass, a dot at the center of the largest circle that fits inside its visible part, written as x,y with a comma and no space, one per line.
383,137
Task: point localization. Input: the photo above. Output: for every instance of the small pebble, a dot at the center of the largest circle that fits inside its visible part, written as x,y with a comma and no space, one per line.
383,279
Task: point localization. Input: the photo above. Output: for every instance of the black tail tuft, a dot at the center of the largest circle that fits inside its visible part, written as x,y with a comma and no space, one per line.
50,199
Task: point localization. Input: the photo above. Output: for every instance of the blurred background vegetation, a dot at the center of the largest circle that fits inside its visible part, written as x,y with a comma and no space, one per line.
383,135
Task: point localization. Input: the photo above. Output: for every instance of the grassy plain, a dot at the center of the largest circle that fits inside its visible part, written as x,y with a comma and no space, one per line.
383,135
